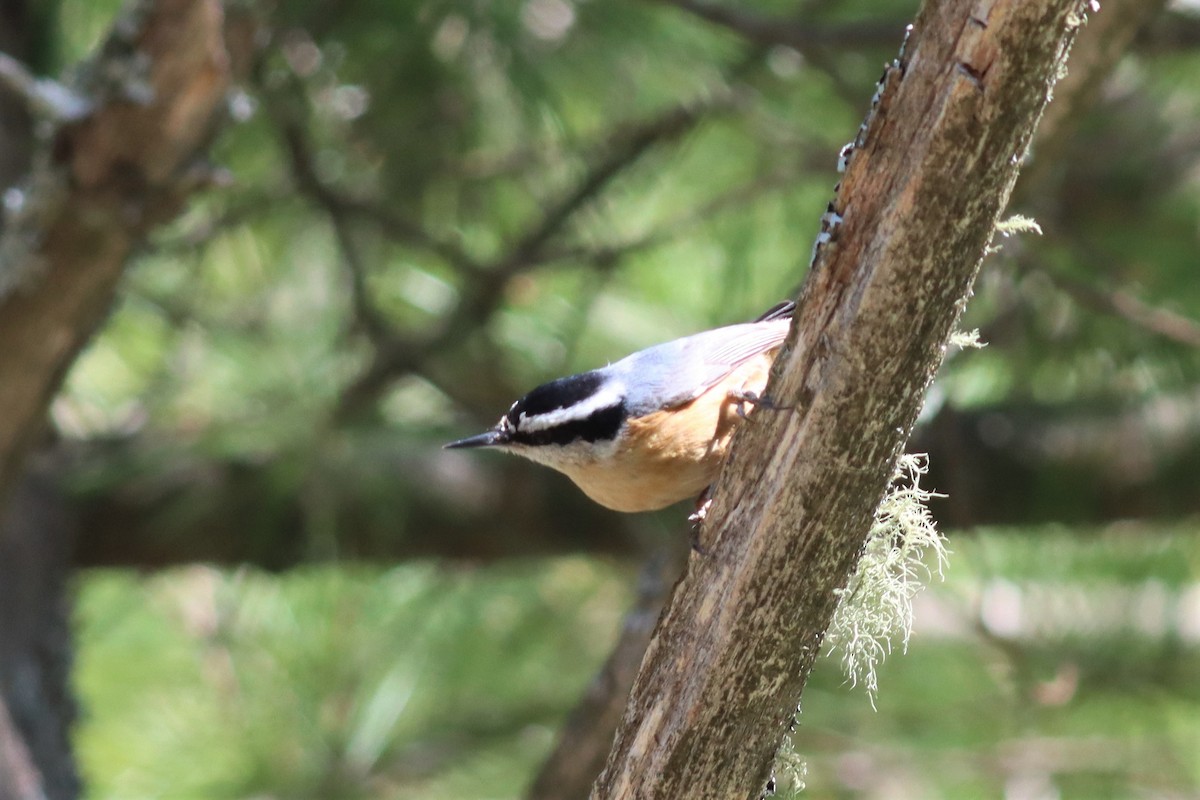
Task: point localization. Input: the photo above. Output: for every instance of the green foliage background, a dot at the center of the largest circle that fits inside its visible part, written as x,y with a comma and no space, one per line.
422,682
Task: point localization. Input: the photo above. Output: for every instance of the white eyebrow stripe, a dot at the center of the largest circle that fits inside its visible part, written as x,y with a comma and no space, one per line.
610,395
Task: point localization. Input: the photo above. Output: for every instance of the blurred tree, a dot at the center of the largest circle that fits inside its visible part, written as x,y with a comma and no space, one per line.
119,156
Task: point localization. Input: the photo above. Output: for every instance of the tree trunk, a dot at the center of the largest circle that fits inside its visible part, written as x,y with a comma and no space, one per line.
36,706
97,188
931,170
78,202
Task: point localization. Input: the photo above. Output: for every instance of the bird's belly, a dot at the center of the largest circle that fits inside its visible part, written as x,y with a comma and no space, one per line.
672,454
647,486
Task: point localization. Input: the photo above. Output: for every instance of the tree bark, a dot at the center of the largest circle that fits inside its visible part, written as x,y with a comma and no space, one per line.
96,189
91,191
932,168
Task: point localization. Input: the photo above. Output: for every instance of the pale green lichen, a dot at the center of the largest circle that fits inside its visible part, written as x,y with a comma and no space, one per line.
789,773
1016,224
965,339
904,550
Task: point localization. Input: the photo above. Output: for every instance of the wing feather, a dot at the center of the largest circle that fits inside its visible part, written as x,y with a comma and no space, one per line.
675,373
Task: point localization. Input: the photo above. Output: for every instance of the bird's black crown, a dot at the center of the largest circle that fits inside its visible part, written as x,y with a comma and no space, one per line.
559,413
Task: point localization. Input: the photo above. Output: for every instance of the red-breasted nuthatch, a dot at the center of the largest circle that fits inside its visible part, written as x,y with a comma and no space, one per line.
653,428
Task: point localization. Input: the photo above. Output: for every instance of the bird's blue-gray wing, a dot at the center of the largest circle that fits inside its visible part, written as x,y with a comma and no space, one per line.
679,371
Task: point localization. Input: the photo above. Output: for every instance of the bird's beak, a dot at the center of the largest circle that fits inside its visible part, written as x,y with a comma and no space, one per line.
492,438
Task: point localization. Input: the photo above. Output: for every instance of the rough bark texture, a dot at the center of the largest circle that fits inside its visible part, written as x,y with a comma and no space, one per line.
933,167
89,195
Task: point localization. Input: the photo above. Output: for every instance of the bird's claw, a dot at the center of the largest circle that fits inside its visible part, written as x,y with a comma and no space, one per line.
742,397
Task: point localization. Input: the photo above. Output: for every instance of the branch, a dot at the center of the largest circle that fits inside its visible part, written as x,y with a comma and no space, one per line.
43,98
1173,31
149,504
343,205
628,148
623,151
404,231
1124,305
932,168
604,255
484,293
19,776
366,315
986,478
802,34
586,736
246,209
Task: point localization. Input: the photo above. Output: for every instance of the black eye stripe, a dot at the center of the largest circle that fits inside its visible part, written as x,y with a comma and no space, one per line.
601,425
562,393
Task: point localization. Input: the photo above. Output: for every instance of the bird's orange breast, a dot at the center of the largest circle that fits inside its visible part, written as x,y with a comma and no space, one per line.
675,453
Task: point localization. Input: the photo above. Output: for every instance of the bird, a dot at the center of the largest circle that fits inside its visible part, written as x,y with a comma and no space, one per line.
652,429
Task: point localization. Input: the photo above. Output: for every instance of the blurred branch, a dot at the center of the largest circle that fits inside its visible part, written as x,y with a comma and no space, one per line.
735,199
622,152
342,206
37,706
1127,306
397,353
149,505
484,291
245,209
1102,42
19,776
817,42
366,315
1100,46
1172,31
585,738
43,98
404,231
802,34
123,152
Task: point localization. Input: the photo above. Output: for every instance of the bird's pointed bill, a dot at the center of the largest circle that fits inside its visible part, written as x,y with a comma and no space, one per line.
492,438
